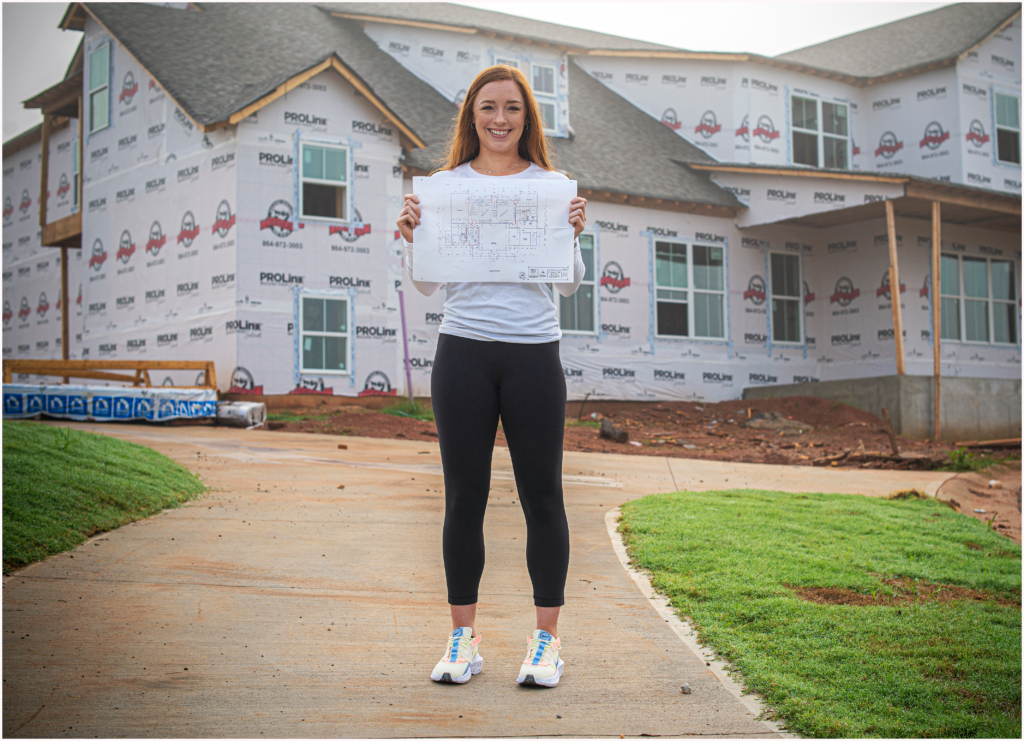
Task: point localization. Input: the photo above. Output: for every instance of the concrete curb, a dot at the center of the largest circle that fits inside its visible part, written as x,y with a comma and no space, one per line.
685,631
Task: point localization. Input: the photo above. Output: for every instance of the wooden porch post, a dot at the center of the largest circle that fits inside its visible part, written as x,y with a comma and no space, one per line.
937,309
894,290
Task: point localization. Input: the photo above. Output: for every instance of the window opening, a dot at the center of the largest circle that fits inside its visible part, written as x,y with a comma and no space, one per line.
786,298
820,133
578,313
324,188
1008,128
325,334
685,276
544,92
99,88
979,300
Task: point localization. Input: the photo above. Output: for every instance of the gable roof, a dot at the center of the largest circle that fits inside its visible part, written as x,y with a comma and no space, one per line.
215,63
487,22
921,40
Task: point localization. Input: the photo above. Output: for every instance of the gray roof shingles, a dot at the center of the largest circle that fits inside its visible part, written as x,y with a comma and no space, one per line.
451,14
216,62
907,43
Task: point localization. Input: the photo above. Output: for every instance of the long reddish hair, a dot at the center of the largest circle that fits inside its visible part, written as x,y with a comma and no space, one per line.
464,144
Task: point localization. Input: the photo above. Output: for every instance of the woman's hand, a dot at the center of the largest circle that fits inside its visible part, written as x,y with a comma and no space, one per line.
577,213
409,219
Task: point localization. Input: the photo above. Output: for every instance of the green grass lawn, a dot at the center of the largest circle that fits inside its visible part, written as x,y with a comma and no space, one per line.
910,662
63,485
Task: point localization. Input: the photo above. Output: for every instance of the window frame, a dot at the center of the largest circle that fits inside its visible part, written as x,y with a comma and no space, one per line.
996,126
799,299
92,91
300,180
990,301
588,280
820,134
691,291
301,332
549,98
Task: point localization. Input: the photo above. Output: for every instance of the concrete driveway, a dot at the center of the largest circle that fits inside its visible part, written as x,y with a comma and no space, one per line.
280,605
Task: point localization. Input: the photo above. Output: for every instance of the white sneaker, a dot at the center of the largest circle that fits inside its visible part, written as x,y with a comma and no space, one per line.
461,659
542,665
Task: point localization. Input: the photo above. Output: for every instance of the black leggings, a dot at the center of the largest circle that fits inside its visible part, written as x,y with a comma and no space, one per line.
472,384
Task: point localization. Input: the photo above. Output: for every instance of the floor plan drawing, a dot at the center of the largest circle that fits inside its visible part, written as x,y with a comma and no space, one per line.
475,229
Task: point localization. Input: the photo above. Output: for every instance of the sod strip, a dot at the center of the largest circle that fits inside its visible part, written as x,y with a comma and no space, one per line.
63,485
851,616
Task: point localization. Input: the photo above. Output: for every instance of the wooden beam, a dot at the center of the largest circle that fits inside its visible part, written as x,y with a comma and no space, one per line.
66,232
404,22
937,311
894,290
44,169
944,194
345,72
798,173
65,307
100,369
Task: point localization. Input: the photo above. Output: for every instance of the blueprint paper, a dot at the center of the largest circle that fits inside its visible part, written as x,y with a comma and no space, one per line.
494,230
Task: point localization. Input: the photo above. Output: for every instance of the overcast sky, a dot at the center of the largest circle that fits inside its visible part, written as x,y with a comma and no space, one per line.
36,53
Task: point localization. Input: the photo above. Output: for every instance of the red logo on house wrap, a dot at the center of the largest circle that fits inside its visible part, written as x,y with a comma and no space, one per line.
43,306
744,129
765,130
128,88
279,218
125,248
885,289
613,278
378,384
189,229
98,256
888,145
977,135
225,220
933,136
670,119
64,185
708,125
755,290
157,239
844,293
242,383
26,201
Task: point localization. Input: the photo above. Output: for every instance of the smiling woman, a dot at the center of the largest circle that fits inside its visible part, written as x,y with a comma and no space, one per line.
497,358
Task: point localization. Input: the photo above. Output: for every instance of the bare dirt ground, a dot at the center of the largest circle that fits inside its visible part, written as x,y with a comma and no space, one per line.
707,431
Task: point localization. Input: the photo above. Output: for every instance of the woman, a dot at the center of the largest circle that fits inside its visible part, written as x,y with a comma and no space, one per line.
497,357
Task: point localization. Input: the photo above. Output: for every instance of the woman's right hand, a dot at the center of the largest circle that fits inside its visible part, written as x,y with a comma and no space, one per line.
409,219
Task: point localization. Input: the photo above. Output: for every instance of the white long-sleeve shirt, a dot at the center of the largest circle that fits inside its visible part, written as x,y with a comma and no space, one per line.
500,312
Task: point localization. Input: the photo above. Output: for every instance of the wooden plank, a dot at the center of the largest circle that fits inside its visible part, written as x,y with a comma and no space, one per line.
1008,443
211,375
894,290
798,173
947,194
64,232
72,365
937,314
404,22
99,375
44,169
65,309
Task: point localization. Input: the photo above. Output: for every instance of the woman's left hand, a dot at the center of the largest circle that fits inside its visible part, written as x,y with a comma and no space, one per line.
578,214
